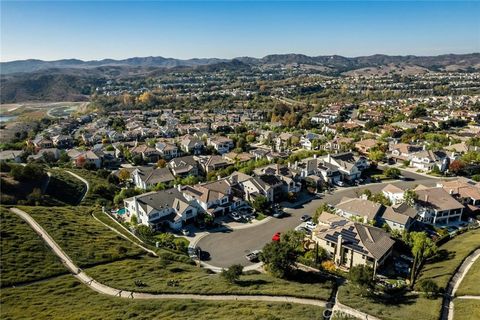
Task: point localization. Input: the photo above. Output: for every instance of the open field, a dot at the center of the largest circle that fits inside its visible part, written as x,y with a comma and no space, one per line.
451,255
66,298
41,109
83,238
470,285
156,272
465,309
396,308
24,256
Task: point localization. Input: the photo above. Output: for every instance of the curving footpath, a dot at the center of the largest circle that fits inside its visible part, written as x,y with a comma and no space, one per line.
104,289
447,305
83,180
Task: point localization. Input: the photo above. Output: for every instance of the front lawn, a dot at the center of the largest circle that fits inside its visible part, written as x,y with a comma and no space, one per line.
84,239
156,273
451,256
400,307
24,255
67,298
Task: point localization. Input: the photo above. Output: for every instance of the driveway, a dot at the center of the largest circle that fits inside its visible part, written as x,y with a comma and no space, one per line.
230,247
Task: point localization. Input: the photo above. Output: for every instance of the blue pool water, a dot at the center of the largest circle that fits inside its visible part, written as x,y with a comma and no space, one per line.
121,211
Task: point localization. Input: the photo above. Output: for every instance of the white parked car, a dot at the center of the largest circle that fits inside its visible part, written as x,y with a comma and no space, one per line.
310,225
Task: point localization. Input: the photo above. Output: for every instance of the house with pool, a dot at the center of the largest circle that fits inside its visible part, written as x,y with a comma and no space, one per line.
162,208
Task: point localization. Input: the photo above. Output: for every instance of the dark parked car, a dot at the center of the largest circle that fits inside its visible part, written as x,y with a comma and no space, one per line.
305,217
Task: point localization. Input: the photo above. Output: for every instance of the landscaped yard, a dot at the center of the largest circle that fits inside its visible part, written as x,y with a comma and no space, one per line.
66,298
155,273
452,255
466,309
470,285
84,239
409,306
24,255
65,188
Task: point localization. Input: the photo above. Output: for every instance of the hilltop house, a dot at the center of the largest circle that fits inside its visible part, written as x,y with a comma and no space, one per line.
162,208
436,206
350,244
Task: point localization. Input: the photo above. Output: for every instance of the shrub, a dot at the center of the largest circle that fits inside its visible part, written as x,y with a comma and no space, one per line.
233,273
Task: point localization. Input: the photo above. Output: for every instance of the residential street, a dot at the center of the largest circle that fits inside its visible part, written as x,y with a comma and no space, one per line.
230,247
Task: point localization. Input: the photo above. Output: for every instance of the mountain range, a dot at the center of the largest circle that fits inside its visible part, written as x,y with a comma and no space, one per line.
333,62
38,80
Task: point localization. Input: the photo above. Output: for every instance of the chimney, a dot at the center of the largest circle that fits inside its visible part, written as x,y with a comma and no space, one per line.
365,219
278,168
179,187
329,158
424,147
296,164
426,198
338,250
315,156
219,177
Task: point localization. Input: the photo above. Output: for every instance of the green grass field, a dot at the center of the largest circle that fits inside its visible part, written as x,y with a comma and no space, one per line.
156,272
66,298
466,309
65,188
453,252
24,256
470,285
99,190
84,239
410,306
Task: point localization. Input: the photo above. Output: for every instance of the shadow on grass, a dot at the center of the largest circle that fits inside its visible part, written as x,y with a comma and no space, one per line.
248,283
442,255
301,276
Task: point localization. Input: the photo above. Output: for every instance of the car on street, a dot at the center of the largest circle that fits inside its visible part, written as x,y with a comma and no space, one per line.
310,225
276,236
253,256
278,214
305,217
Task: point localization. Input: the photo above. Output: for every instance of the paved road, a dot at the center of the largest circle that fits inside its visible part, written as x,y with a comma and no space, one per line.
229,247
104,289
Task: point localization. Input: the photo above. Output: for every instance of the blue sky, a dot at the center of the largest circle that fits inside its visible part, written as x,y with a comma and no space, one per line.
97,30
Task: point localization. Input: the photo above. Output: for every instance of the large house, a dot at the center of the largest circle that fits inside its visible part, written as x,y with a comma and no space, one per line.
162,208
184,166
350,243
426,160
436,206
191,144
146,177
400,217
214,198
221,144
357,208
465,191
167,150
393,193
